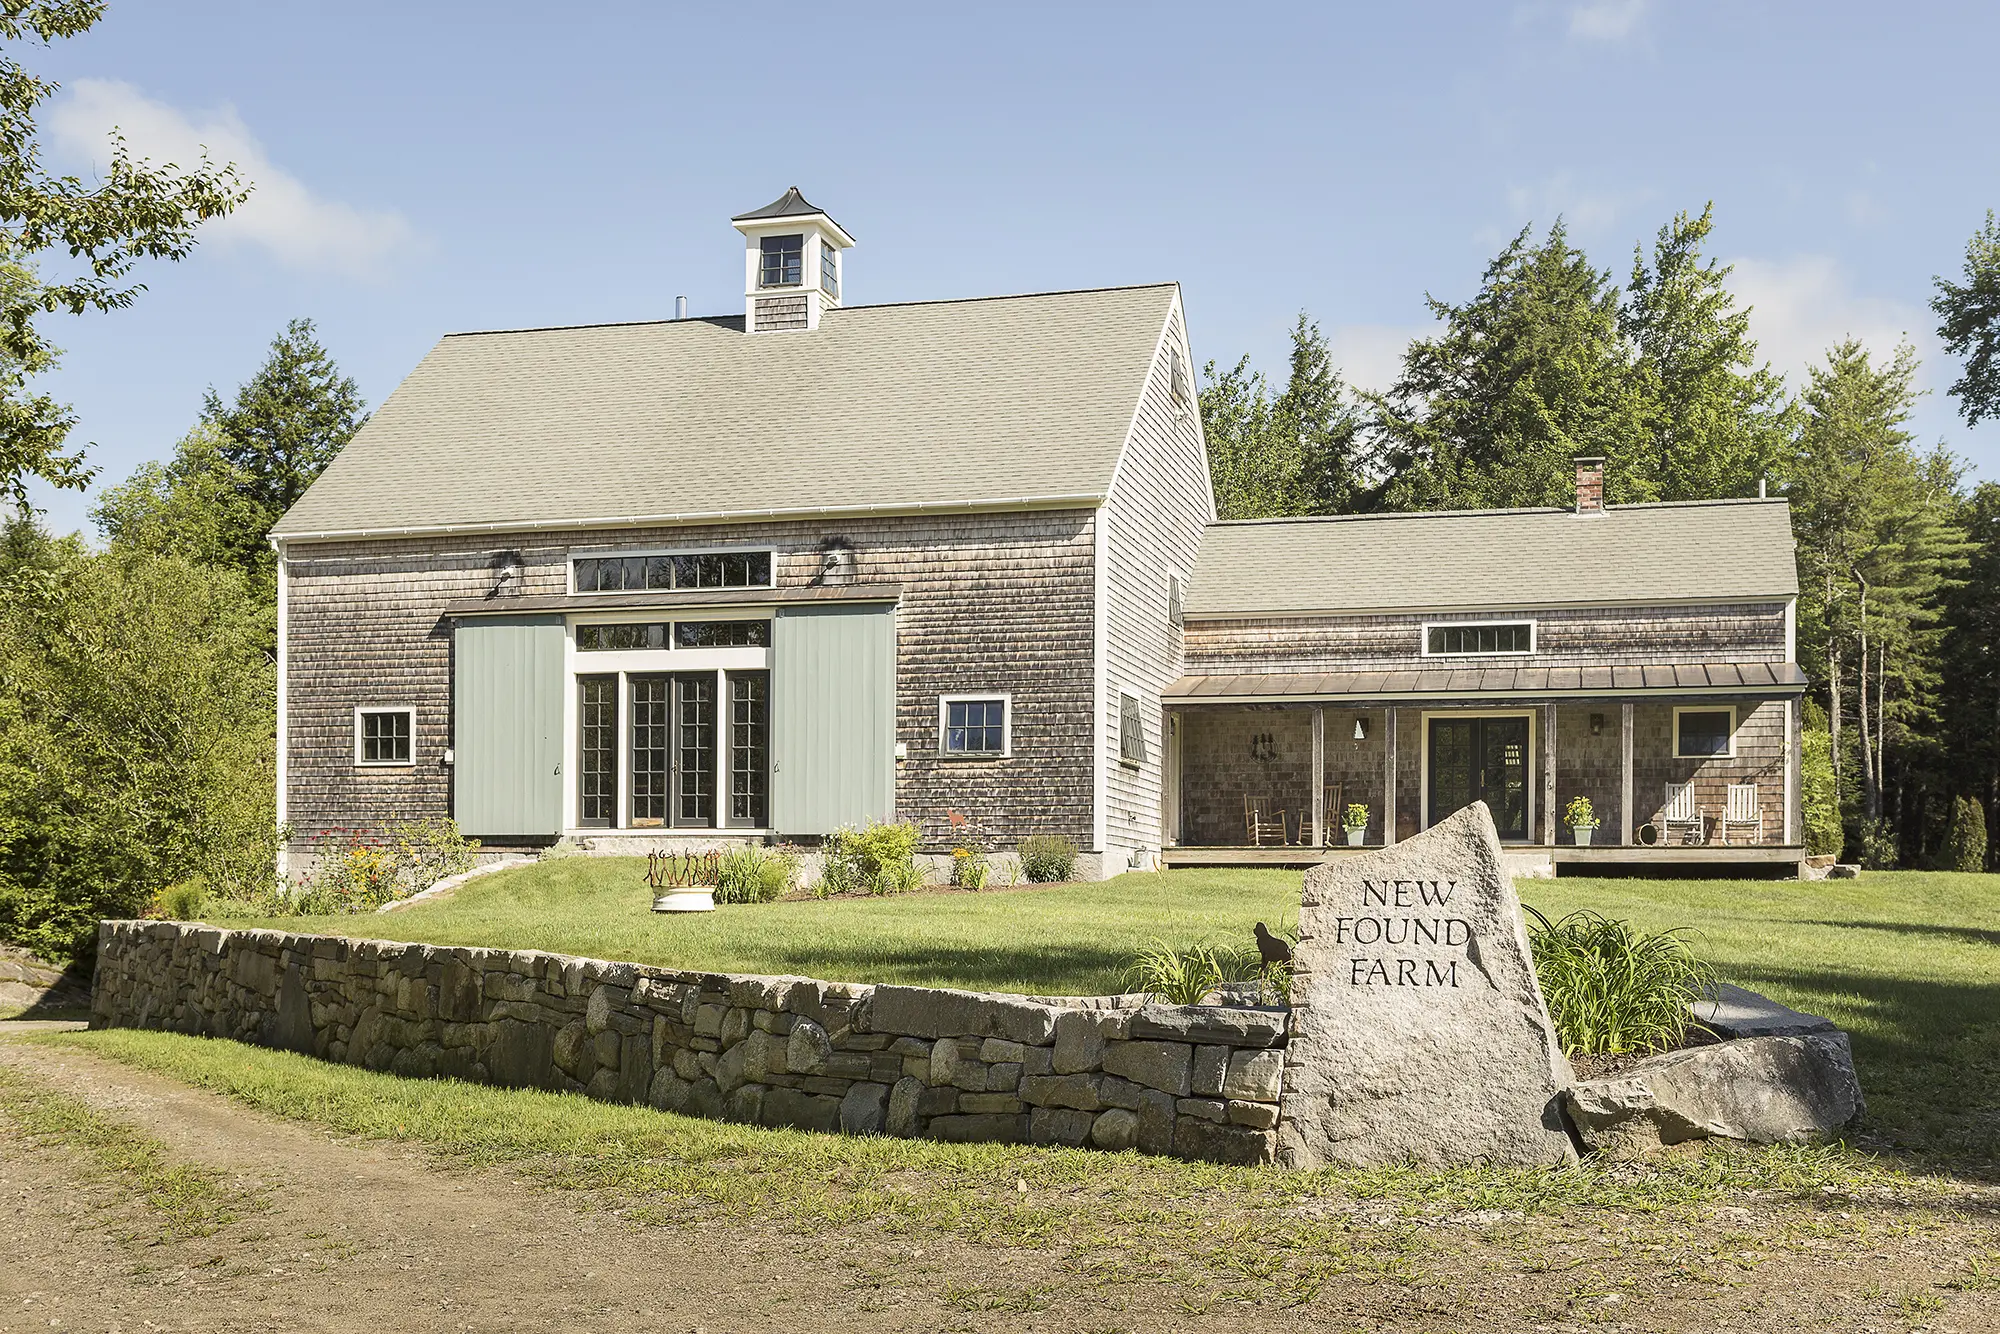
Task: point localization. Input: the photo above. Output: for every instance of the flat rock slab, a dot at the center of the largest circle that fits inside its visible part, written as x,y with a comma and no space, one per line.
1735,1012
1767,1090
1418,1030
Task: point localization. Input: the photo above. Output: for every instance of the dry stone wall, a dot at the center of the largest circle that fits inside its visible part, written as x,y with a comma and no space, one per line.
1109,1072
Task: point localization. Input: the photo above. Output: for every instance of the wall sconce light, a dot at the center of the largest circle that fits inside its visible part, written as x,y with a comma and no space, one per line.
506,574
1263,746
1597,724
1360,729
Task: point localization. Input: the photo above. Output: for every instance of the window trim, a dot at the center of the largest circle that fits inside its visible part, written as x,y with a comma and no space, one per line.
409,711
1534,638
763,252
605,553
1176,600
1006,750
1728,753
1139,719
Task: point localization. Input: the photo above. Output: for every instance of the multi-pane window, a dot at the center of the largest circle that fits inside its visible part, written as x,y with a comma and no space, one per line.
749,747
1700,733
829,270
722,634
384,736
651,726
695,569
1131,729
597,731
1497,637
784,260
694,749
682,634
974,726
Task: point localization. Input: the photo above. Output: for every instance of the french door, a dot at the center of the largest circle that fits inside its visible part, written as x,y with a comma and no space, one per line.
668,749
1480,759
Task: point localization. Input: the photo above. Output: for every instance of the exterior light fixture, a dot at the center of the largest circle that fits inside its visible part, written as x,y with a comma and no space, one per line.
1360,729
1597,724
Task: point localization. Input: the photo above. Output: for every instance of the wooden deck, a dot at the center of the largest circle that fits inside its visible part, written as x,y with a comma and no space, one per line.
1562,855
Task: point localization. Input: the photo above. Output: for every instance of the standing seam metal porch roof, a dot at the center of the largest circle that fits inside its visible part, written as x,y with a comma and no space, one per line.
946,404
1710,550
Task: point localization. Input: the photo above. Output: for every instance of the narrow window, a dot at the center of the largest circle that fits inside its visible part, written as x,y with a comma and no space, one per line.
694,749
1176,600
1131,730
597,734
385,736
784,260
1178,378
606,638
749,747
1468,640
722,634
829,270
652,729
1704,733
694,569
974,727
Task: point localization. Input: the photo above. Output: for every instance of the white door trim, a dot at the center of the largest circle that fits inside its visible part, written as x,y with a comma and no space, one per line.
1424,759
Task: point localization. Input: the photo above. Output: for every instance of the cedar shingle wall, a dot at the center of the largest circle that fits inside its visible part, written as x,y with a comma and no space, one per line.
1155,514
1000,602
1575,637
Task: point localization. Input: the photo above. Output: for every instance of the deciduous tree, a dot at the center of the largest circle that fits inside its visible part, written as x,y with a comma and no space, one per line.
1971,328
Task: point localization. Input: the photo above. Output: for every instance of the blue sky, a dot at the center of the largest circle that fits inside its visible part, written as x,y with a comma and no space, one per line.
430,167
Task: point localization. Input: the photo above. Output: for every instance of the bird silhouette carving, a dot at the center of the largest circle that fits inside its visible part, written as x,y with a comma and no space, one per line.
1271,949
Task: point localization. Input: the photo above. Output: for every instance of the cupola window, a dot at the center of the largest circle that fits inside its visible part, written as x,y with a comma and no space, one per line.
784,260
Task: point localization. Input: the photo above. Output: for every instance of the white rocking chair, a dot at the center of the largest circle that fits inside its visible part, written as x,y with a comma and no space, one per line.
1679,816
1743,812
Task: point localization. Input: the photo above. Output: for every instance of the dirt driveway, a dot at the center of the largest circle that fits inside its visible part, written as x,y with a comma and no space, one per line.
366,1236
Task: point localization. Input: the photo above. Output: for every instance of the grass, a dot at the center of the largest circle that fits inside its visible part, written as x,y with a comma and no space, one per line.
1907,962
189,1201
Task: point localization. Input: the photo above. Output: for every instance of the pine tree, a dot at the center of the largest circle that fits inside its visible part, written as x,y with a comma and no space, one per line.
1971,328
1293,454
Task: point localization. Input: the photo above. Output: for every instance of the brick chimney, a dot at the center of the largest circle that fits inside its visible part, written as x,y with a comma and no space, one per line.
1590,486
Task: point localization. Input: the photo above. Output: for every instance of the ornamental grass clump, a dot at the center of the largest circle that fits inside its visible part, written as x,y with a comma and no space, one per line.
1612,988
756,875
1178,975
1047,859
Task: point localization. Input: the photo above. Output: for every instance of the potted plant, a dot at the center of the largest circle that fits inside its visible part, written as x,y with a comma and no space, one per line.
683,881
1581,819
1355,821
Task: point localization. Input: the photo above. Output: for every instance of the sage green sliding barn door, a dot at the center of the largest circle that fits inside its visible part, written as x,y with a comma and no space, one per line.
507,725
833,717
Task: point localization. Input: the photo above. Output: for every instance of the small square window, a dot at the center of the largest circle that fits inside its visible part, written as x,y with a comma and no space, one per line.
783,261
1131,730
385,736
1704,733
973,726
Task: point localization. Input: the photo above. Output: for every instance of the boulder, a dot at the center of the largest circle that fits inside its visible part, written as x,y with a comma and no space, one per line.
864,1109
1115,1129
1770,1090
1418,1030
1733,1012
807,1048
901,1116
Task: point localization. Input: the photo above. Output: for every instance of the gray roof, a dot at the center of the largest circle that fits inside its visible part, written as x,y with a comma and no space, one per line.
1495,681
931,404
1709,550
790,204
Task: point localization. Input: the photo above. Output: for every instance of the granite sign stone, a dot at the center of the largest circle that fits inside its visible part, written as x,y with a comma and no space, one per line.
1418,1030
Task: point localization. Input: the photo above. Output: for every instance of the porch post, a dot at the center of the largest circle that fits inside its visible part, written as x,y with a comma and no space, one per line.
1794,741
1625,773
1389,776
1549,775
1319,776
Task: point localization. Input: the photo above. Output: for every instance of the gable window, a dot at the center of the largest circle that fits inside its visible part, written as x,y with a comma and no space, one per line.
1176,600
653,573
783,261
1131,730
829,270
974,726
1178,379
1451,641
385,736
1704,733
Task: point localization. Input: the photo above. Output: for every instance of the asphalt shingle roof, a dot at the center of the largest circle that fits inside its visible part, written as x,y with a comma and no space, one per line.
1717,549
948,403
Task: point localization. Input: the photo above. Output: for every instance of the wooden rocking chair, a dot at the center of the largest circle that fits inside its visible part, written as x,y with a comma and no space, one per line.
1679,816
1258,825
1744,812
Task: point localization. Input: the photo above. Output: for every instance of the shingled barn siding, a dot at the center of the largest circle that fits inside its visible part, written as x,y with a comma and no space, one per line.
780,312
1759,759
1571,637
1000,602
1261,754
1155,516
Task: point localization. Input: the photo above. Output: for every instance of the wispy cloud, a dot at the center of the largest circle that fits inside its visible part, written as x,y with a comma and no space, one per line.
283,216
1606,20
1370,356
1585,207
1803,305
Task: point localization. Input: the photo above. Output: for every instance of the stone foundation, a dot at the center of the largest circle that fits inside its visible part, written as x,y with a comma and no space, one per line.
1107,1072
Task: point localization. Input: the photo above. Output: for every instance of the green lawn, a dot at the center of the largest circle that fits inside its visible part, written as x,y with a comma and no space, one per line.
1908,962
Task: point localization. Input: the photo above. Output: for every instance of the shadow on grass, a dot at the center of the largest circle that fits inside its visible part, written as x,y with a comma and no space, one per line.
1927,1052
1968,935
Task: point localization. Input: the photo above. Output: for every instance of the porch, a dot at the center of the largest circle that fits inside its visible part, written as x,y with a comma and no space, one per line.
1684,773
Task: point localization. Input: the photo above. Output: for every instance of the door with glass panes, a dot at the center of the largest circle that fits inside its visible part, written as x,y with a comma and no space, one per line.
1480,759
673,750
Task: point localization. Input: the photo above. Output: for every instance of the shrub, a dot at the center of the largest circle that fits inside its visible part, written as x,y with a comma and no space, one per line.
1965,840
1047,858
1182,975
969,867
357,872
182,902
756,875
1613,988
880,859
1819,794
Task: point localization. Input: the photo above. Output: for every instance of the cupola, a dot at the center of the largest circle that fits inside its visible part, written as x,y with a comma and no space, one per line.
791,264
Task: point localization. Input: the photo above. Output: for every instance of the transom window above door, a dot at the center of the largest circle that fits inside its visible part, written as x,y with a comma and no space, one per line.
630,635
673,570
973,726
1469,639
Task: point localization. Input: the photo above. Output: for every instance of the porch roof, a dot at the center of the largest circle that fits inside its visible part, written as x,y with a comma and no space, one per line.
1487,683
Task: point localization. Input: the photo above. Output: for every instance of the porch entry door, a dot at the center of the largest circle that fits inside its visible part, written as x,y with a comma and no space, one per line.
673,762
1481,759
